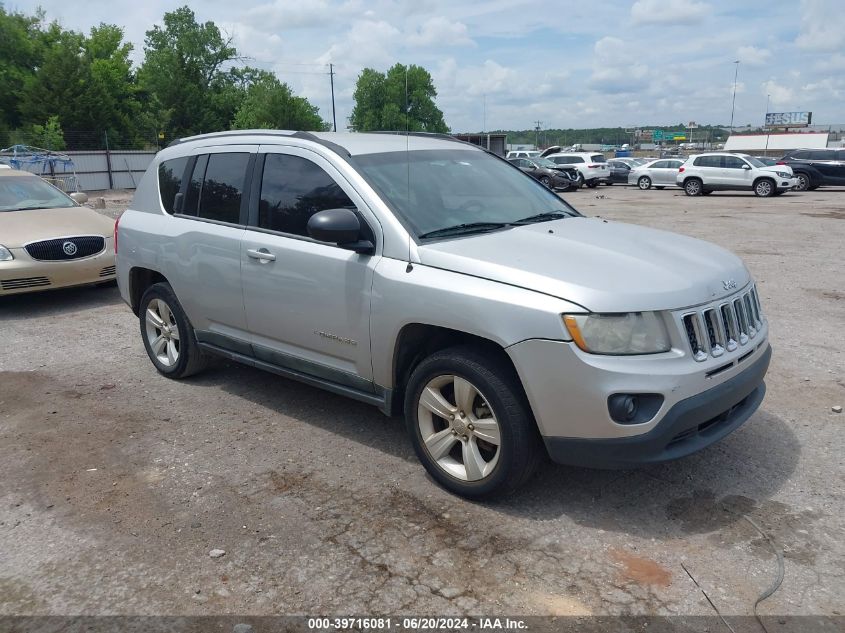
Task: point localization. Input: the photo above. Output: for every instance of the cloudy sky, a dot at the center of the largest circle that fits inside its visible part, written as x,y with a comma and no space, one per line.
568,64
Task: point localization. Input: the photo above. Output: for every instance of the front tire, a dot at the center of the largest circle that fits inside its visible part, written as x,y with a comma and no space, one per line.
644,183
470,423
692,187
765,188
168,335
546,181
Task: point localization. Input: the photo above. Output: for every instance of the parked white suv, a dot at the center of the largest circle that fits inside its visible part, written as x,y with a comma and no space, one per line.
427,276
703,174
592,166
523,153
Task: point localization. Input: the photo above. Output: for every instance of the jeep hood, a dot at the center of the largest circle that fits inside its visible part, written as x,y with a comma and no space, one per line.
604,266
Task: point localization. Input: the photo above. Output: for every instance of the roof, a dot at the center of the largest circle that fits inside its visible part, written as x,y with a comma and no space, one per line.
754,142
353,143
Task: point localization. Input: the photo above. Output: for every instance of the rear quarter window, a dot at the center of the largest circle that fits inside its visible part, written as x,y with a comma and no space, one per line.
598,158
170,174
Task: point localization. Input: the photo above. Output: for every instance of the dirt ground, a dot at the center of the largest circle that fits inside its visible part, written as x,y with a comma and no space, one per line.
118,482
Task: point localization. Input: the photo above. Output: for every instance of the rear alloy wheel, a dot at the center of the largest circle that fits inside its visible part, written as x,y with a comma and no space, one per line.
592,184
470,423
644,183
764,188
168,335
692,187
803,183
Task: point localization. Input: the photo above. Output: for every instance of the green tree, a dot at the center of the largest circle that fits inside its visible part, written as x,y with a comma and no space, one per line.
270,104
21,48
400,99
187,89
48,136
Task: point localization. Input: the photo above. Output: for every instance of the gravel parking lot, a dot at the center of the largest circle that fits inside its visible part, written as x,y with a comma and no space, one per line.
117,482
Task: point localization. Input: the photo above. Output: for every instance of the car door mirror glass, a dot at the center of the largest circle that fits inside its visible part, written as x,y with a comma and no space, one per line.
79,197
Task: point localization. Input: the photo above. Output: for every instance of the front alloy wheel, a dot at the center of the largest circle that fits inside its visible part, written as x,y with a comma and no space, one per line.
458,428
764,188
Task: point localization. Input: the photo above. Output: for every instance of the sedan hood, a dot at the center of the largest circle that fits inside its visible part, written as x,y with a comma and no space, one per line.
21,227
601,265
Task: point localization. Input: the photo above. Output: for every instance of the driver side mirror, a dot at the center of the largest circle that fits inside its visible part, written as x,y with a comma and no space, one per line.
746,166
79,197
341,227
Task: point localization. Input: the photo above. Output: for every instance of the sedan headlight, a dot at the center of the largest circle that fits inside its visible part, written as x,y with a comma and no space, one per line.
621,334
783,174
5,254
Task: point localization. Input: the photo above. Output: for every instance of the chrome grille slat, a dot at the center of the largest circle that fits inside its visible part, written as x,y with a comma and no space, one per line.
54,250
721,328
24,282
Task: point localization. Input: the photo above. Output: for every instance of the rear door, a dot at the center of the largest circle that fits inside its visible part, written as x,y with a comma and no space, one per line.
204,243
825,161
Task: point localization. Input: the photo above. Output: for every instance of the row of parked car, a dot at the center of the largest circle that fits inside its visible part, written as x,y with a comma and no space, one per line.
699,174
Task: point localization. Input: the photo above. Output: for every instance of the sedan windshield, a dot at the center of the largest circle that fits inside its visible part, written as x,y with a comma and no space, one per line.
18,193
464,190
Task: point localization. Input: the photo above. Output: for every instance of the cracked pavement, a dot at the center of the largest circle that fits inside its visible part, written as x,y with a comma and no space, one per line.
118,482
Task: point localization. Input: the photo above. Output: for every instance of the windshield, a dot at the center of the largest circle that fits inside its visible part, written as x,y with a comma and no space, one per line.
30,192
431,190
545,162
755,162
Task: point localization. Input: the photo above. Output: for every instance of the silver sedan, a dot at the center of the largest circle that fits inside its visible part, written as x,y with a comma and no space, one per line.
657,173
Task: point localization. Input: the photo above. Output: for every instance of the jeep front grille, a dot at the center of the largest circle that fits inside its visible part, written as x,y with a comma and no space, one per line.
723,327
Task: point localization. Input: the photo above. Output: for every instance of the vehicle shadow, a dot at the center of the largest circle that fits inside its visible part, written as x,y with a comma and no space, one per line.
700,493
61,301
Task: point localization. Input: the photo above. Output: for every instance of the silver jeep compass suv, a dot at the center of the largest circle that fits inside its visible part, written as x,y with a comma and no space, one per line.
426,276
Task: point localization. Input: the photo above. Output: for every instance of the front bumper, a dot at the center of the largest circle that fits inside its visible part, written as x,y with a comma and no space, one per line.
689,426
24,274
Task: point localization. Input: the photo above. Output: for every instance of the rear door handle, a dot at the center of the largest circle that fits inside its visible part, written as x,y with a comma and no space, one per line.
261,254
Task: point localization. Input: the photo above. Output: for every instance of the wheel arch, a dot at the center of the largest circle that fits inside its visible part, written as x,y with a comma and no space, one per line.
417,341
140,279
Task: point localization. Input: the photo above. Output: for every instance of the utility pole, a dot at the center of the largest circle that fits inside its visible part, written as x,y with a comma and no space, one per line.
331,79
733,104
537,134
768,131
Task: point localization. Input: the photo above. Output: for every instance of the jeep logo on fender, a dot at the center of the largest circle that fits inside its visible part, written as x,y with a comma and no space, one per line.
728,284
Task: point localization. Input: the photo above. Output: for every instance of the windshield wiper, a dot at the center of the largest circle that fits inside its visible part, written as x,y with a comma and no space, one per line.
542,217
468,227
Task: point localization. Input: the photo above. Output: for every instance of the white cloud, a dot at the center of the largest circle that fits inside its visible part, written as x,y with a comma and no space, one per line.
668,11
778,94
615,70
822,26
753,56
438,31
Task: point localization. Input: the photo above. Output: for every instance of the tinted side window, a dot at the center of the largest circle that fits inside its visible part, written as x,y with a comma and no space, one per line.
732,162
170,180
821,154
840,154
223,187
661,164
598,158
292,190
571,159
192,196
708,161
802,155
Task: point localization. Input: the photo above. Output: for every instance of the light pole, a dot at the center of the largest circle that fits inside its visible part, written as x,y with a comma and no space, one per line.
733,104
768,132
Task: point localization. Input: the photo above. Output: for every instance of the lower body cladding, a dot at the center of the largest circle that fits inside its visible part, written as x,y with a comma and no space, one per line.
24,274
572,395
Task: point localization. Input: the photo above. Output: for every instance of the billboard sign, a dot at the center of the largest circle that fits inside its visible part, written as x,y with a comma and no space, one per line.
788,119
657,135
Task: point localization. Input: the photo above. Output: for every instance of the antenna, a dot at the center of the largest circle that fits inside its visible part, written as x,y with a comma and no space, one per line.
331,79
408,160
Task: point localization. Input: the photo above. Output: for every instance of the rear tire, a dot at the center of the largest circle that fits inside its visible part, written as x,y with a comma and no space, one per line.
449,396
168,334
693,187
803,183
765,188
592,184
644,183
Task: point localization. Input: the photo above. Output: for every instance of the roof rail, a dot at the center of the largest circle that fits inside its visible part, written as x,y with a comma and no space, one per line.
225,133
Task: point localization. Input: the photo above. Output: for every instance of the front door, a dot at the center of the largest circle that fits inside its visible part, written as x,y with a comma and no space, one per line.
307,302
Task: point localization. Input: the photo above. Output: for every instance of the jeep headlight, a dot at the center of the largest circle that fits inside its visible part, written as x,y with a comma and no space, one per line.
5,254
622,334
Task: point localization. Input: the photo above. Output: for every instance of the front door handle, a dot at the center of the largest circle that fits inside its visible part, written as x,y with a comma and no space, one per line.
261,254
